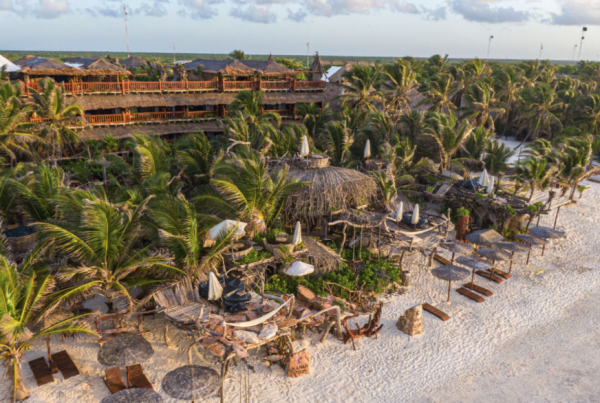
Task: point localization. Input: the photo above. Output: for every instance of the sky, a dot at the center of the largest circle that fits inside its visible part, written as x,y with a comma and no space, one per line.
420,28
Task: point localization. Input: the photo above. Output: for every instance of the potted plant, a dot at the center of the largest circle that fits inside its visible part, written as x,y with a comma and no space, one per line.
462,225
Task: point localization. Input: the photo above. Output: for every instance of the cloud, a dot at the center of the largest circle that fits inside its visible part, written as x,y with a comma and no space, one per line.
198,9
329,8
105,12
480,11
576,12
297,16
404,7
434,14
258,13
6,5
157,9
49,9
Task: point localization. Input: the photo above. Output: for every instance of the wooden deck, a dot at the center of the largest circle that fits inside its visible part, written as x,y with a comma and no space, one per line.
441,259
135,375
502,274
65,364
114,380
434,311
41,371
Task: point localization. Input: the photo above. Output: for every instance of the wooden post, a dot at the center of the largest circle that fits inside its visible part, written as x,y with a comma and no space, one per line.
472,279
528,254
433,252
294,84
48,345
556,218
449,289
379,244
343,240
353,243
160,84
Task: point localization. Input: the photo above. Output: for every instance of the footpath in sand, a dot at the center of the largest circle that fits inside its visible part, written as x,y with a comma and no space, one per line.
537,339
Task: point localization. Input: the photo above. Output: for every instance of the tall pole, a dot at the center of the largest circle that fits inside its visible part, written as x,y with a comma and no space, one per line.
574,49
307,54
173,53
581,42
541,48
489,45
126,33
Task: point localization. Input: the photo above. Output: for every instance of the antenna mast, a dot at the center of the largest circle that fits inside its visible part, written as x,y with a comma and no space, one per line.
173,53
583,30
489,45
126,33
307,54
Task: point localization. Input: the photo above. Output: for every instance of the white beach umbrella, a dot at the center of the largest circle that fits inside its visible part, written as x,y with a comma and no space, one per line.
304,150
368,149
10,66
490,187
299,269
214,287
297,234
399,212
483,178
224,227
415,216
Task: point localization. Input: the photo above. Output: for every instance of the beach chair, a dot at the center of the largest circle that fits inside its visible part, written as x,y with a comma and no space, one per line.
65,364
137,378
41,371
114,380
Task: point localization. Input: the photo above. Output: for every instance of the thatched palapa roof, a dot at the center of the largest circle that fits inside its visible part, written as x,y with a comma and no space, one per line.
267,68
134,62
235,67
40,66
96,65
332,189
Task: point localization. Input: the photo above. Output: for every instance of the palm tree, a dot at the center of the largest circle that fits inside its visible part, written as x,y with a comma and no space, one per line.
496,159
590,114
104,244
238,54
339,141
509,89
313,117
194,155
380,129
478,143
38,193
400,82
22,294
361,87
480,102
287,141
575,159
536,172
449,134
15,139
412,125
50,103
440,94
539,114
386,186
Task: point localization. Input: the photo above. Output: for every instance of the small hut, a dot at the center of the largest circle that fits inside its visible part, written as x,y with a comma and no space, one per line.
133,62
39,67
318,68
268,68
209,69
332,189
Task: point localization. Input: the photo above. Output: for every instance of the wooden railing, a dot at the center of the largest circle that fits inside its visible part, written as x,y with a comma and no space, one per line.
275,85
143,86
310,85
107,119
239,85
281,112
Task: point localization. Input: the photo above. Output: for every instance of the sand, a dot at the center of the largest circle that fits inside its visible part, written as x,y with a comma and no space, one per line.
535,340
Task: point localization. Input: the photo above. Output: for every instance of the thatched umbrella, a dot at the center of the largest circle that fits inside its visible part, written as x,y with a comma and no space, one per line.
475,263
331,188
190,382
125,349
513,247
546,233
134,396
484,237
450,273
531,240
458,247
494,254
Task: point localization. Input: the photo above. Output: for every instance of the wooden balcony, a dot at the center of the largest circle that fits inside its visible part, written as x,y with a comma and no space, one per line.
135,87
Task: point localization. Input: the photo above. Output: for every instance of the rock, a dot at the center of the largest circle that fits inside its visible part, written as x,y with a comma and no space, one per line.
240,351
304,313
252,315
276,368
248,337
217,349
411,322
287,323
236,318
305,294
207,342
268,331
255,328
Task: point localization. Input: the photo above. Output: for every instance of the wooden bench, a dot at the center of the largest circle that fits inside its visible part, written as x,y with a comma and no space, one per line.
114,380
65,364
41,371
489,276
470,294
135,375
441,259
503,274
434,311
479,289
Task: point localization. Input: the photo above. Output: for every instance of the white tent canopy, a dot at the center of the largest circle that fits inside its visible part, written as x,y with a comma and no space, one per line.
10,66
299,269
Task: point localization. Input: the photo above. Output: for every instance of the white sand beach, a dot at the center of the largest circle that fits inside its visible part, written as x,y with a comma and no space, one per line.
537,339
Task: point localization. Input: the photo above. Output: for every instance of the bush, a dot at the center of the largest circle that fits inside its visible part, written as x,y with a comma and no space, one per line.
462,212
253,256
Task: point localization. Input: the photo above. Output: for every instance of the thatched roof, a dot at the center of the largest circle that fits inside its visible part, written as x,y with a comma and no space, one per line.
40,66
267,68
332,188
96,64
134,62
162,129
317,66
212,98
226,67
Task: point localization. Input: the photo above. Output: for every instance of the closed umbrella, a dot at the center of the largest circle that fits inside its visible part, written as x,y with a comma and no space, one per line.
399,212
450,273
513,247
191,382
297,234
367,149
490,187
134,396
415,215
458,247
495,255
215,290
531,240
125,349
304,150
475,263
483,179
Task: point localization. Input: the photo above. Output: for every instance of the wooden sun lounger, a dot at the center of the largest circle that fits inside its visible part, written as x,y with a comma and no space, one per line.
138,379
470,294
65,364
441,259
114,380
503,274
441,192
479,289
41,371
487,275
433,310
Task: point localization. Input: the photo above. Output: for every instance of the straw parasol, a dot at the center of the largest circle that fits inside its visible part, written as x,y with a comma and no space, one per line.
547,233
531,240
513,247
190,382
304,150
450,273
367,149
494,254
475,263
297,234
125,349
458,247
484,237
134,396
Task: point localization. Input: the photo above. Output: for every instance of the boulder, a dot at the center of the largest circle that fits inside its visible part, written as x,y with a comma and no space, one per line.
411,322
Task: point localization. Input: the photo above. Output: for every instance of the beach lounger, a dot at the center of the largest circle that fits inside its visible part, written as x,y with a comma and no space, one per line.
65,364
41,371
502,274
441,259
479,289
470,294
114,380
434,311
135,375
487,275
